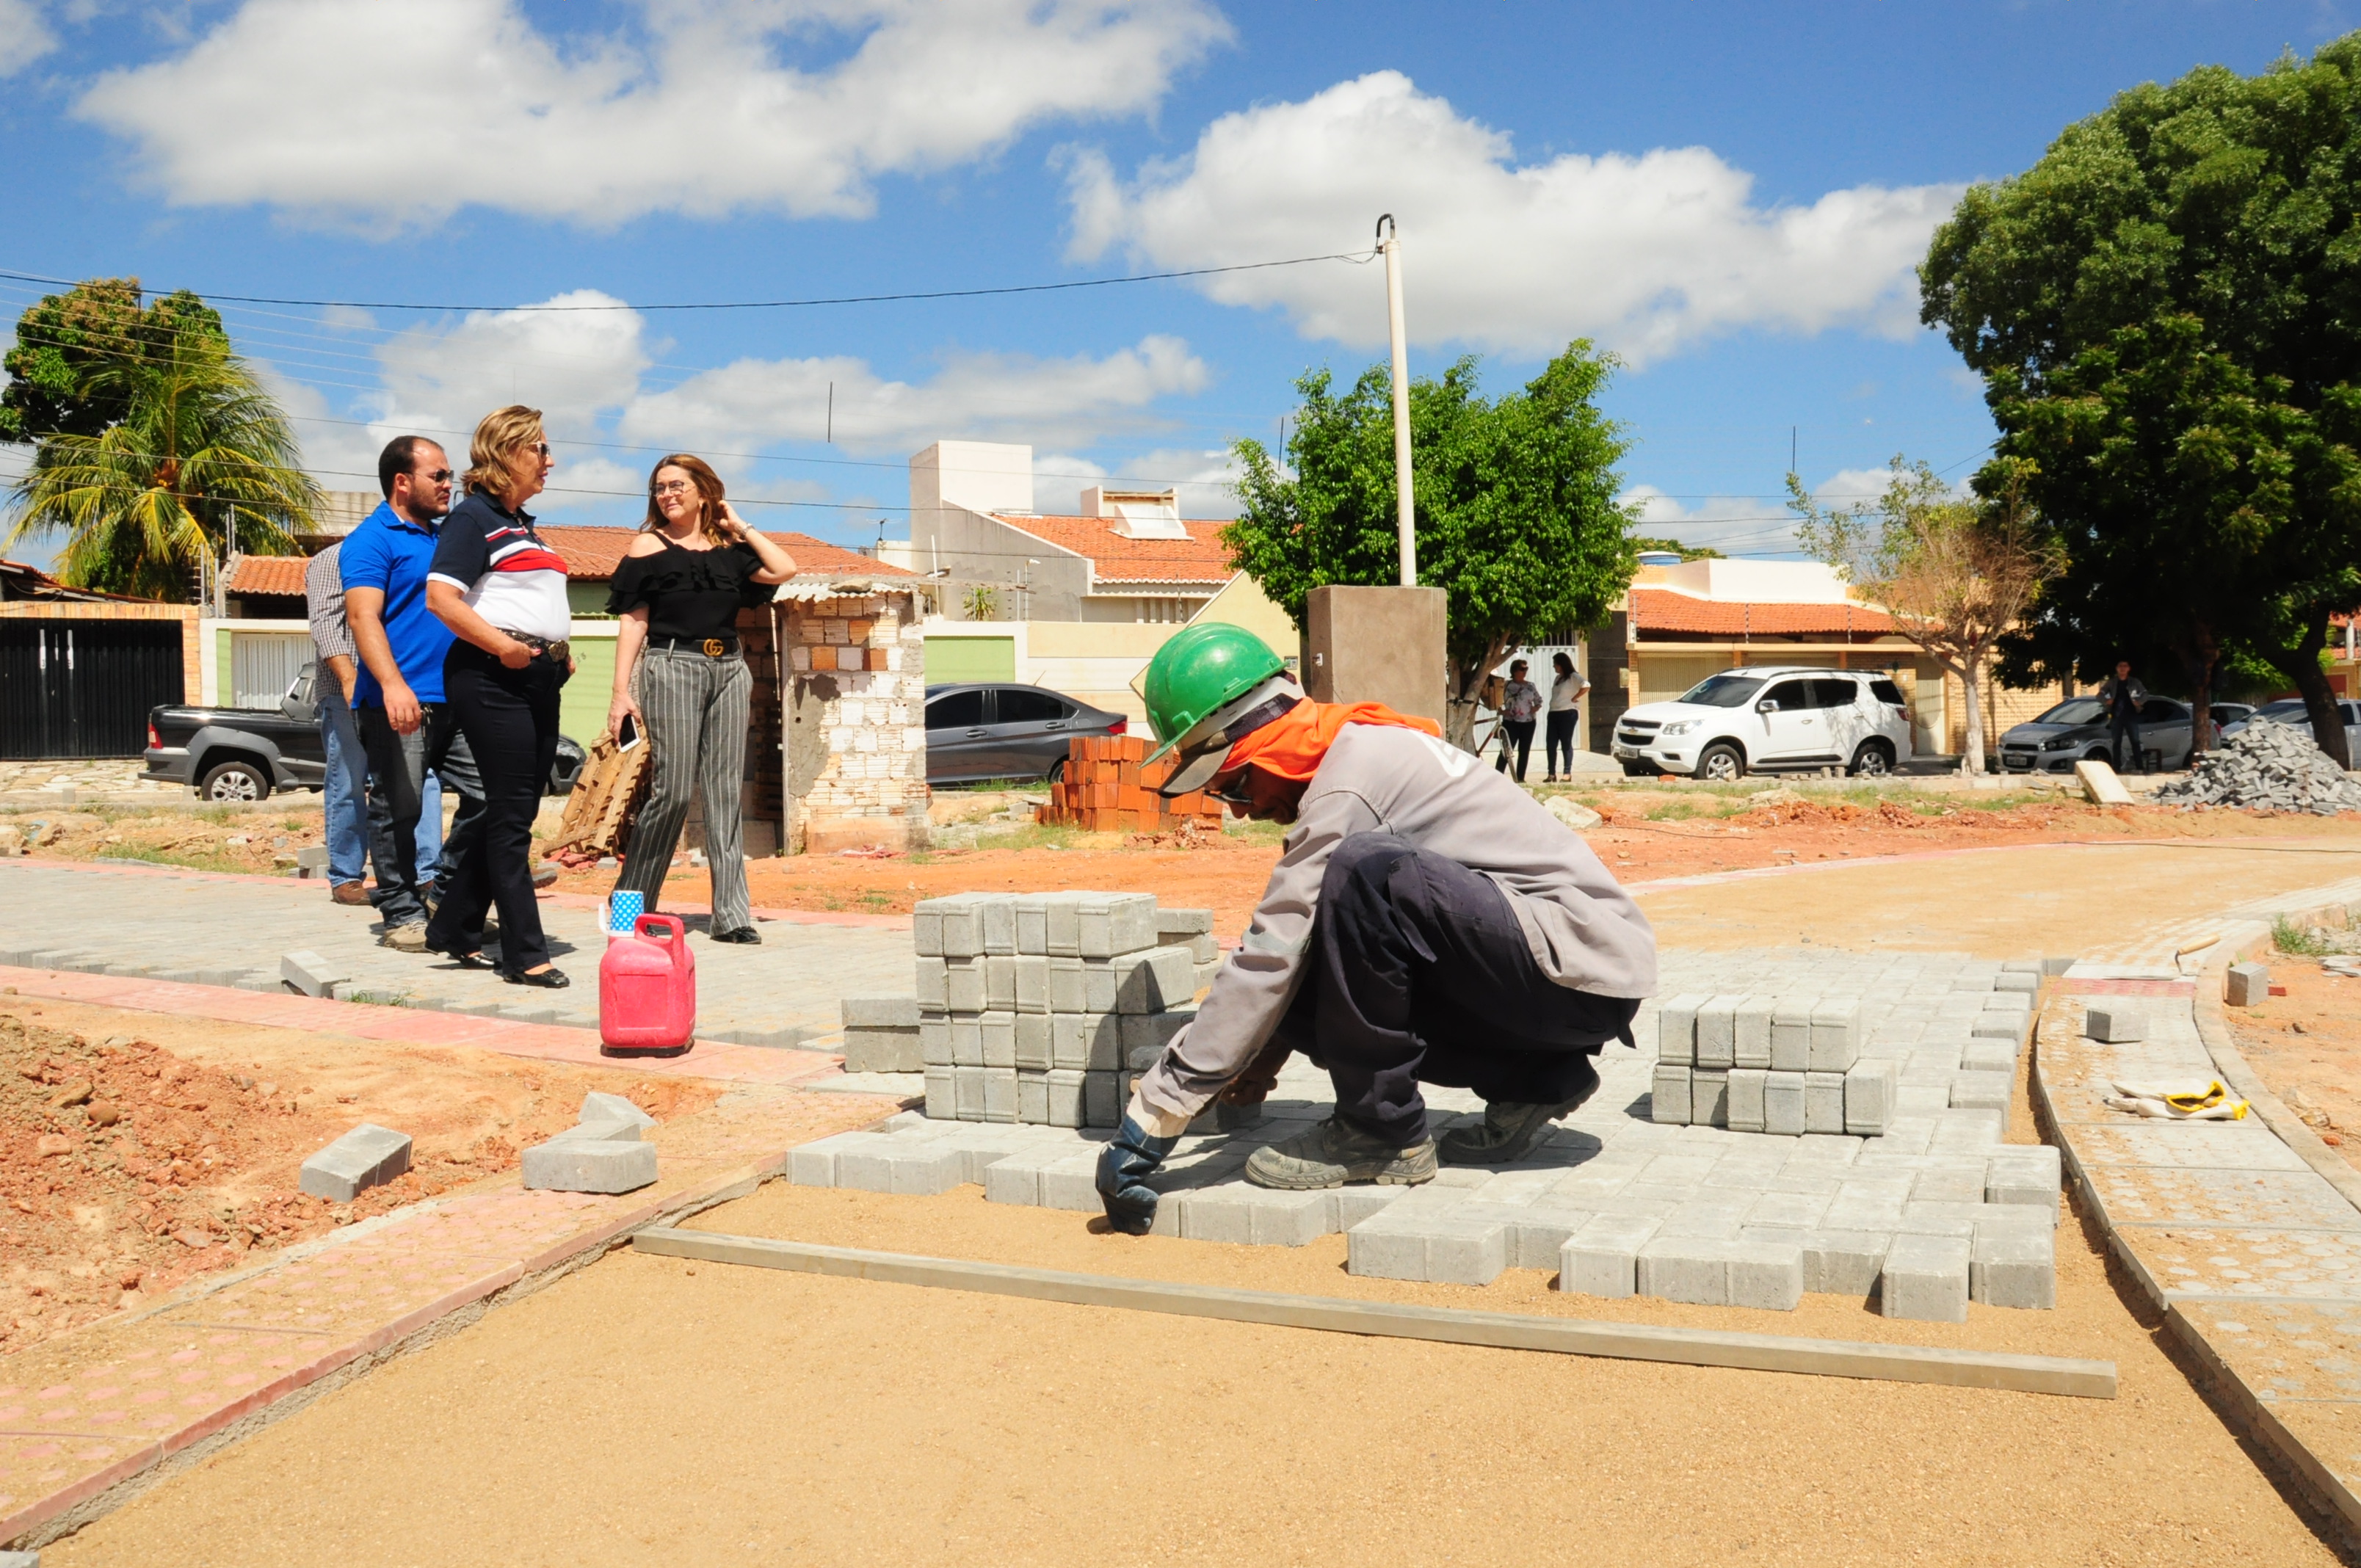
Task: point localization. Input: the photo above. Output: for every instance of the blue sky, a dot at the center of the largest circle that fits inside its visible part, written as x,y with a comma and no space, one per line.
1730,196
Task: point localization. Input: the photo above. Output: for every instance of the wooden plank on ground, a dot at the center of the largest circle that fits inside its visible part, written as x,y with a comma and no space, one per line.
1506,1330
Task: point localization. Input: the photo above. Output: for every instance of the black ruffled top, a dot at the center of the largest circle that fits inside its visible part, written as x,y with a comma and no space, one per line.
694,594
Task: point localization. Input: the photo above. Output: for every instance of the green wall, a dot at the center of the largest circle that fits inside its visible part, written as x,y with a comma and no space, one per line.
953,660
582,707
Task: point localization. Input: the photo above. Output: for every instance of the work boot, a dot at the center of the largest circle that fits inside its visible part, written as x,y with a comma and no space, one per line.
1334,1153
1509,1128
410,939
351,892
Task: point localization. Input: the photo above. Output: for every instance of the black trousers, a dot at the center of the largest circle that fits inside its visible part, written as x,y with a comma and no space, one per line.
1519,735
1419,973
1562,724
509,717
398,766
2127,752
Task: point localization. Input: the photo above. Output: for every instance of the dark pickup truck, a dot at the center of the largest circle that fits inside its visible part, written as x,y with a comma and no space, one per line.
245,754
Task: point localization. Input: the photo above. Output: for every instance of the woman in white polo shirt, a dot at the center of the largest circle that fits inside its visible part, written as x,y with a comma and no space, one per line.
502,593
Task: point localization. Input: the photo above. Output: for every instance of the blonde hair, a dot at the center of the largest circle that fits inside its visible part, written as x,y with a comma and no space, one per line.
498,435
709,495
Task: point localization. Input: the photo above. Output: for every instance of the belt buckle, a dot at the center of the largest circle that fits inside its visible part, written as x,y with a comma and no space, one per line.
714,648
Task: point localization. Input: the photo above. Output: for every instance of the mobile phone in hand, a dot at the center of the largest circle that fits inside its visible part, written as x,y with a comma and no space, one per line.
626,734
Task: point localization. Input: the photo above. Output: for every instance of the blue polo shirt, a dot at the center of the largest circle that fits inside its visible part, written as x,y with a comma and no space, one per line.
390,554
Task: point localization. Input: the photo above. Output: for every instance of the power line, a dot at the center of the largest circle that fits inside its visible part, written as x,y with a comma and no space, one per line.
1355,257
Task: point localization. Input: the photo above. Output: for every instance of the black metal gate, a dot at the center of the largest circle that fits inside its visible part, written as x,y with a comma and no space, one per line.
83,688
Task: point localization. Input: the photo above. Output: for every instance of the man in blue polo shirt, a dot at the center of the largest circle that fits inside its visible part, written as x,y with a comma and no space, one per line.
398,695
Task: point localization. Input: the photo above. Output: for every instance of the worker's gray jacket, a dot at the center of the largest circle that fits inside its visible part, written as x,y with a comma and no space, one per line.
1584,930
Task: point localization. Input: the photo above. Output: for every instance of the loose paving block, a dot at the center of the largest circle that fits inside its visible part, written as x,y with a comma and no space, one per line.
1836,1034
1824,1102
1602,1258
1783,1104
2016,1269
879,1012
1063,1087
1746,1085
1791,1028
1716,1033
1086,1041
1871,1089
600,1107
369,1155
1926,1278
999,1094
1710,1097
308,974
1767,1276
1465,1251
932,973
583,1166
1108,925
1981,1090
998,1031
942,1103
1153,980
1844,1263
963,987
2249,985
1033,1097
1177,925
883,1050
1676,1028
1151,1032
1751,1026
1033,1033
2028,1176
1684,1268
2114,1024
1669,1094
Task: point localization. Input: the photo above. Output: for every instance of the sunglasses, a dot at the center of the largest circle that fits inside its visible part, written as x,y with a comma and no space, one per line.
436,478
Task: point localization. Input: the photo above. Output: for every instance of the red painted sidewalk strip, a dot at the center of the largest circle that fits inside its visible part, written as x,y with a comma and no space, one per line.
717,1059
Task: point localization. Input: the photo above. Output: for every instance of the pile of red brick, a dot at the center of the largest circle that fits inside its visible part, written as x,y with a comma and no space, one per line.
1109,787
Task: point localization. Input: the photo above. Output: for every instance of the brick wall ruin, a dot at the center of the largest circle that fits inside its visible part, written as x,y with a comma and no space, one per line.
854,718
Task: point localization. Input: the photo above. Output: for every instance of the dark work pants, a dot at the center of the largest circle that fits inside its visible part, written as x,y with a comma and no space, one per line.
2127,752
398,766
509,717
1419,973
1520,735
1561,739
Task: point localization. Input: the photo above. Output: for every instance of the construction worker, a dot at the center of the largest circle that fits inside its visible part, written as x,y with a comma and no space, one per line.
1428,922
2125,696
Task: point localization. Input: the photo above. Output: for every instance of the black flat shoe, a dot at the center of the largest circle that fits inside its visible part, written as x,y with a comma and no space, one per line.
473,958
548,979
743,934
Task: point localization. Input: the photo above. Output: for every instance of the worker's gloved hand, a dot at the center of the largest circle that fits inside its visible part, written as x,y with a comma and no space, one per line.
1124,1166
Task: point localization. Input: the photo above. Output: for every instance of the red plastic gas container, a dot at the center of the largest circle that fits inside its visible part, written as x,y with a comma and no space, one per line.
647,990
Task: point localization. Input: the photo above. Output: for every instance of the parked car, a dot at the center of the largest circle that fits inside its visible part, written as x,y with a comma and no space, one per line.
2076,730
1001,730
1770,721
245,753
2291,712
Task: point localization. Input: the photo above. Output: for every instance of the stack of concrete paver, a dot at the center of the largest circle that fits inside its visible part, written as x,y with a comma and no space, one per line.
2268,766
1029,1005
1933,1212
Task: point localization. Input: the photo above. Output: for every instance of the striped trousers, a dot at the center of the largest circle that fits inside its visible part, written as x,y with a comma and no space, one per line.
696,710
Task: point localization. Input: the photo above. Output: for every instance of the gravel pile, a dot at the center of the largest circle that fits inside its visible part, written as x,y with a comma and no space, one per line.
2268,767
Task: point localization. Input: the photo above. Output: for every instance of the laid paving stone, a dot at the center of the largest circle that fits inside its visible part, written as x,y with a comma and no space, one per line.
369,1155
1926,1278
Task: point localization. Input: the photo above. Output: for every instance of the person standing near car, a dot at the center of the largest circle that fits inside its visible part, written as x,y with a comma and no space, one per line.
1566,693
679,678
1518,704
407,733
501,591
2125,696
344,787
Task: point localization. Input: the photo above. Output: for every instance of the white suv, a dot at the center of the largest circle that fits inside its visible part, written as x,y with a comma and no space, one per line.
1767,719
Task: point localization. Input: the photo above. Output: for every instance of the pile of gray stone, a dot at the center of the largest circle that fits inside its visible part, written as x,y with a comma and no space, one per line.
2268,767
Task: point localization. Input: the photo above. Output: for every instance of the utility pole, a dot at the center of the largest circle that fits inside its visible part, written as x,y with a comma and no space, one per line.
1405,510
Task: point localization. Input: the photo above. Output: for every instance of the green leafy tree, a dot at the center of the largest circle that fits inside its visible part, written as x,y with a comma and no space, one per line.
1515,506
200,459
65,340
2167,313
1643,543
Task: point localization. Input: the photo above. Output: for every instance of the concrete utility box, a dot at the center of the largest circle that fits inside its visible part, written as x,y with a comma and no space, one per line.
1376,645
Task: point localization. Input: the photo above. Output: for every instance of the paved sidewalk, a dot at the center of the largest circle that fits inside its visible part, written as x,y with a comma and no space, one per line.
90,1419
199,927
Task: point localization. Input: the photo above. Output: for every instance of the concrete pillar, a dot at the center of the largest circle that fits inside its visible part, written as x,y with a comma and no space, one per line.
1363,645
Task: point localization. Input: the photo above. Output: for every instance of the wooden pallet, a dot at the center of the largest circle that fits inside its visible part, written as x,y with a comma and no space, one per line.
1109,787
607,797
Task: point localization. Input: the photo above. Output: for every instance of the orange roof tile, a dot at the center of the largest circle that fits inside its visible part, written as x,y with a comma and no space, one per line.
268,574
591,553
1119,558
1658,609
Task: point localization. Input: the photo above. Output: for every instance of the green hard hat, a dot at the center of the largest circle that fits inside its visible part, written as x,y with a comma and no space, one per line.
1193,689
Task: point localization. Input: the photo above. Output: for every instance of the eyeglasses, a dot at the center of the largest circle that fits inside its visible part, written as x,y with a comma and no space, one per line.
539,448
436,478
672,488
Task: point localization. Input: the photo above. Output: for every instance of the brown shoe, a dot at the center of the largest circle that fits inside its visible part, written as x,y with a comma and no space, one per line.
348,892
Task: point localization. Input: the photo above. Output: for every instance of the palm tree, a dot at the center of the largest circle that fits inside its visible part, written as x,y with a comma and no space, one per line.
202,461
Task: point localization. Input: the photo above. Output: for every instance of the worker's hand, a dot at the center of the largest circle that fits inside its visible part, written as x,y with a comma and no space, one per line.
616,709
348,681
401,710
1253,1086
516,655
1124,1166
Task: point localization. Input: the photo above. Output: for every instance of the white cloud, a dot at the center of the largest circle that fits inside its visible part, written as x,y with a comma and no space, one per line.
389,114
1647,255
1014,396
24,36
1735,525
1202,478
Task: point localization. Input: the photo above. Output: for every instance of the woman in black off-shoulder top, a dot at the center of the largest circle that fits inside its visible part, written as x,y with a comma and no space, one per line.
679,676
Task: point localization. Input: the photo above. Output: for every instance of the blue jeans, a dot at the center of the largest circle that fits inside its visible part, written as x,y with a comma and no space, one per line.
345,788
